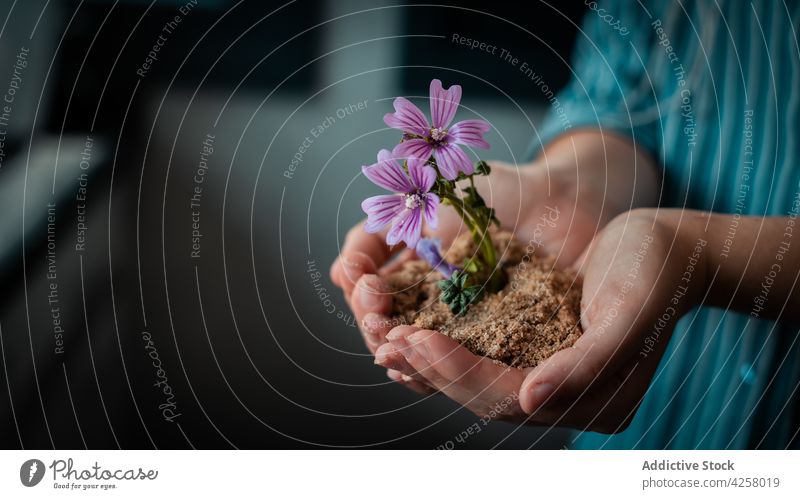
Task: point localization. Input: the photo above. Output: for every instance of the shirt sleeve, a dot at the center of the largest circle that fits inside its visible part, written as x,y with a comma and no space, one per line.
610,88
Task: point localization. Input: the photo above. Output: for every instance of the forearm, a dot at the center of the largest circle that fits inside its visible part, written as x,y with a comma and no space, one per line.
751,264
604,169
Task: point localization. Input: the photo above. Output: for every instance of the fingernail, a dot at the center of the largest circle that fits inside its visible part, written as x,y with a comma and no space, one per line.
395,336
400,342
419,346
351,264
540,393
404,348
384,358
370,292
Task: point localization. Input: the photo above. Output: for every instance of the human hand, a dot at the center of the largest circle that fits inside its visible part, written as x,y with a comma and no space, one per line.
640,275
539,203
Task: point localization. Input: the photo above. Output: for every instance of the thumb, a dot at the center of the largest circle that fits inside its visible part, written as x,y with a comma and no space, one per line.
603,349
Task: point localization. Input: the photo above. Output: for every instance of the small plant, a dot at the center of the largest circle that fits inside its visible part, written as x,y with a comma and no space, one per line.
423,171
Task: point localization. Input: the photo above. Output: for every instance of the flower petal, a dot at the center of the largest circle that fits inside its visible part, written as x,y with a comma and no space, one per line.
470,133
422,175
407,117
386,155
430,250
431,204
388,174
444,103
381,210
451,159
414,148
406,227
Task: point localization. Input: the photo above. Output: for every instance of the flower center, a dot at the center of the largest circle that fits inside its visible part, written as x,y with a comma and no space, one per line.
438,135
413,201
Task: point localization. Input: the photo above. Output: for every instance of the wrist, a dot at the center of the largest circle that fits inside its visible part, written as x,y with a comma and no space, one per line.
691,254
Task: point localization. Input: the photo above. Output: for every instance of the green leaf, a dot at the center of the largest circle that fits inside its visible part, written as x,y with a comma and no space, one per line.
457,294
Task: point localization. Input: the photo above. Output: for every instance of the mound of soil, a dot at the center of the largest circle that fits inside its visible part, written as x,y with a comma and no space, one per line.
536,314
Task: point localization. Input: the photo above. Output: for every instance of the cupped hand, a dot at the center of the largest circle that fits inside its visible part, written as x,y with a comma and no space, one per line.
639,276
539,203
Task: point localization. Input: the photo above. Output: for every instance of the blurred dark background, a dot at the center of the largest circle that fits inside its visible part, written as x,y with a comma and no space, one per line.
112,332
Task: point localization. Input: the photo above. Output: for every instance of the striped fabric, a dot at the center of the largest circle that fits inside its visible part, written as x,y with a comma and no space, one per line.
712,90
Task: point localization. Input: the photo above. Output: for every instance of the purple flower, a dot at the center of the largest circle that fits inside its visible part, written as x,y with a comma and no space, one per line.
437,140
405,209
430,250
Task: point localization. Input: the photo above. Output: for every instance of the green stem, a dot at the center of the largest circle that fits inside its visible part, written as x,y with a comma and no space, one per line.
480,234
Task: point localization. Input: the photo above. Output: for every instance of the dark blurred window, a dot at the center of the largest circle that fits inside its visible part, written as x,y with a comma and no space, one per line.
112,27
494,24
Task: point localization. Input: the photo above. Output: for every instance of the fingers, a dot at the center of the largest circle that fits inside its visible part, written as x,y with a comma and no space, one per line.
604,347
450,363
371,303
371,295
392,355
475,382
607,407
622,295
376,326
570,373
362,253
348,268
566,374
429,360
596,384
409,383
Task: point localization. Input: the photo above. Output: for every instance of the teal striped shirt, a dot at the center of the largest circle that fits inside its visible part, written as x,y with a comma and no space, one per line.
712,91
